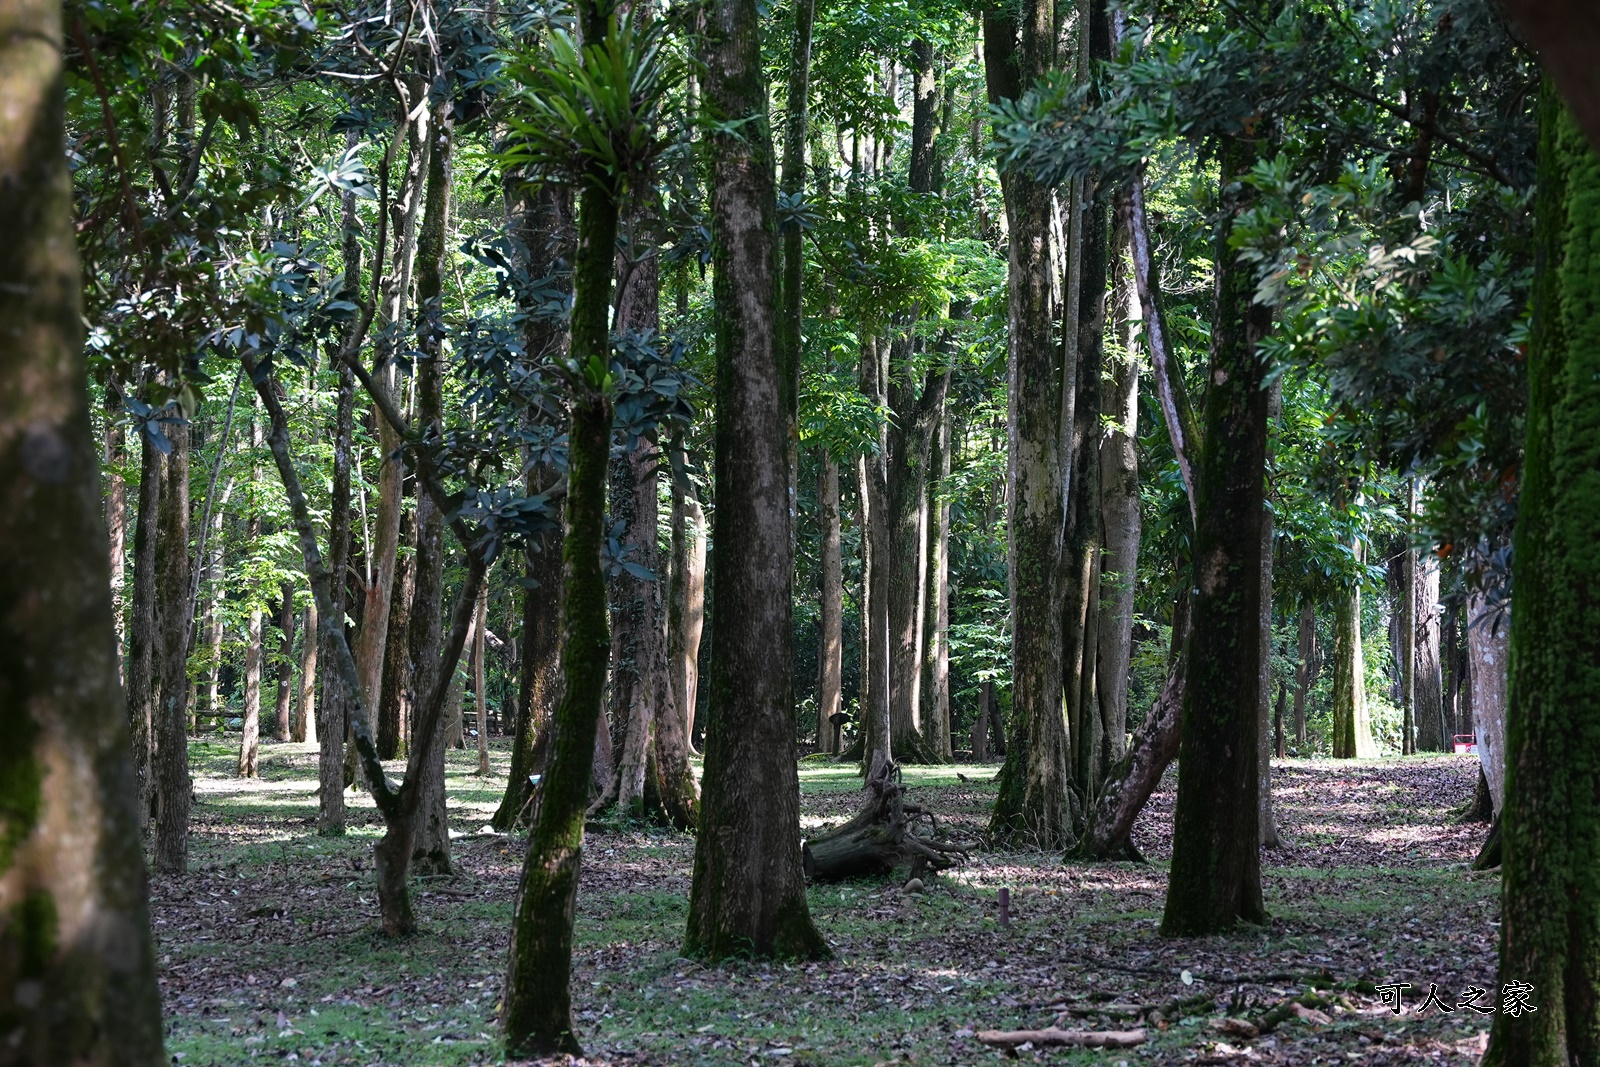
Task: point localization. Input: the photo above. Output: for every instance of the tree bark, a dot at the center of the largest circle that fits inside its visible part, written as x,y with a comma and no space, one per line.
305,723
395,703
791,291
686,602
285,663
77,970
935,637
143,692
250,729
1216,868
536,1017
480,688
1121,520
171,772
748,892
1033,806
431,846
1550,826
1488,653
872,495
830,627
1268,829
1352,727
1304,674
114,454
1434,734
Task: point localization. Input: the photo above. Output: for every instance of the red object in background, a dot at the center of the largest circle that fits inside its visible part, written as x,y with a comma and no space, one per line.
1466,744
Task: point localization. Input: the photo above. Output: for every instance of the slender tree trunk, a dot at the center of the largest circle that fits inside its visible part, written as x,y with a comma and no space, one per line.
935,642
830,627
1488,653
171,771
872,493
1033,803
114,455
143,691
395,703
77,970
536,1016
250,731
1550,827
335,694
480,688
431,845
748,893
1303,673
285,663
215,575
791,293
686,601
542,221
1433,730
305,723
980,724
1121,520
1352,727
1268,830
1216,867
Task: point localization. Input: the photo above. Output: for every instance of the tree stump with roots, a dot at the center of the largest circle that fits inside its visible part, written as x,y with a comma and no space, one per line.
882,836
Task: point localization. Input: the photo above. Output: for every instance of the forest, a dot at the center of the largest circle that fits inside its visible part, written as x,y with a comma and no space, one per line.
799,532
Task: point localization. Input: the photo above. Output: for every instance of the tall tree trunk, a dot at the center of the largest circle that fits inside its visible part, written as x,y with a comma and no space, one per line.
1550,829
285,663
431,846
395,704
77,970
1433,731
114,454
305,723
480,688
748,893
536,1017
1303,671
791,294
1403,630
143,691
1034,798
1488,654
542,223
935,636
872,495
830,627
171,771
1216,866
335,695
1352,726
250,729
1121,520
215,573
1268,825
372,644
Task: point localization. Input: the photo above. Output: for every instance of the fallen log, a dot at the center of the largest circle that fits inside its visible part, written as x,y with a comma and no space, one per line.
1053,1036
881,837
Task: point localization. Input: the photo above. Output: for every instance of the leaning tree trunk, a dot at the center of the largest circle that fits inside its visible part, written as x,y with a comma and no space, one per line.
1550,829
77,970
1216,865
536,1016
748,892
171,773
1033,806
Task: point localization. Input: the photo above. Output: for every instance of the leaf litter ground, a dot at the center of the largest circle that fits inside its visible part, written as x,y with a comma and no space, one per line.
270,950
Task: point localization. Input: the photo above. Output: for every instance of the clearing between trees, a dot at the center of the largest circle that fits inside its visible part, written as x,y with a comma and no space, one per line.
270,947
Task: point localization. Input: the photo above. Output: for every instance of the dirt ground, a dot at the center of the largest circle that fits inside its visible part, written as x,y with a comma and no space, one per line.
270,951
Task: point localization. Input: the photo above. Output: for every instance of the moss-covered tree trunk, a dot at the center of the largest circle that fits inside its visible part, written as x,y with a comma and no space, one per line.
542,222
77,971
1033,806
748,895
536,1017
431,848
1216,866
1550,829
1352,724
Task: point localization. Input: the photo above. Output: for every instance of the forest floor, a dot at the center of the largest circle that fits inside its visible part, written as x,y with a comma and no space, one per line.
270,950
